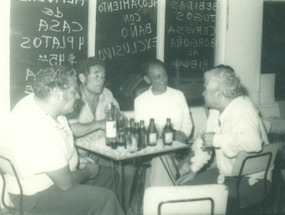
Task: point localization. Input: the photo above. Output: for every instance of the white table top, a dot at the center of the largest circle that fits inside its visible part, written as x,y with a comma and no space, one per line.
96,142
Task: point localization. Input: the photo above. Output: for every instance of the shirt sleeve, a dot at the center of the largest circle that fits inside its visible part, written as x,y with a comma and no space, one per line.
39,150
200,157
243,133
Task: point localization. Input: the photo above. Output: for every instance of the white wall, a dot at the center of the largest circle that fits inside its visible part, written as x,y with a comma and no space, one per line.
4,71
241,42
4,66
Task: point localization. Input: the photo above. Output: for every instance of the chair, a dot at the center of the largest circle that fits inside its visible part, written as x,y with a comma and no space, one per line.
250,163
9,166
182,200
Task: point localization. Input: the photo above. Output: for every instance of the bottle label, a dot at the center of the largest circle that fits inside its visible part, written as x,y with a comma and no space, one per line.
111,129
168,137
134,144
152,138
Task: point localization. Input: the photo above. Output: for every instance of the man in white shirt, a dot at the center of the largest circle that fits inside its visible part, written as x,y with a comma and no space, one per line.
44,149
161,102
237,127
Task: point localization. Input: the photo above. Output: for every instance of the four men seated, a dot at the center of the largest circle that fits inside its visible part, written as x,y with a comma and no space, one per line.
43,139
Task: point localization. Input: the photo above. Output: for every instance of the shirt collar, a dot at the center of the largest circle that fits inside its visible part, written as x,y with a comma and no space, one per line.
51,121
228,110
150,91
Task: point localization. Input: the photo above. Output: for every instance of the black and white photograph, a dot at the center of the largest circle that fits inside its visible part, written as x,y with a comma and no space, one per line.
142,107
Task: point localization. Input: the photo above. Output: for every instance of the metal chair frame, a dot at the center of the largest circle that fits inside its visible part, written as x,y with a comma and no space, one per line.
187,200
240,176
4,186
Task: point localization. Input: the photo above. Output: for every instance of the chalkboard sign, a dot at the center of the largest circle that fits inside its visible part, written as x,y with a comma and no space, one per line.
189,45
273,45
125,38
44,33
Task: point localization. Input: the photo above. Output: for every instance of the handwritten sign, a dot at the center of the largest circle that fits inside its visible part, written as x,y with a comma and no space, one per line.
45,33
125,37
189,44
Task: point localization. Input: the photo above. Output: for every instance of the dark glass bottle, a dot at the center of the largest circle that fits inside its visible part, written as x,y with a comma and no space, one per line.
167,134
132,124
128,137
111,127
142,136
152,133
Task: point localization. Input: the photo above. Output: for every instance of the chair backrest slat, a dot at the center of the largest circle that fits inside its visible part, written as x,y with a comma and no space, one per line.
255,162
8,163
182,200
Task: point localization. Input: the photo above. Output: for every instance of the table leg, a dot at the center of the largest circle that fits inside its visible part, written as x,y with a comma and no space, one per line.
167,166
121,184
114,175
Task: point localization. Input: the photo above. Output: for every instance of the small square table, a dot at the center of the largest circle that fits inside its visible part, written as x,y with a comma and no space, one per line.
96,142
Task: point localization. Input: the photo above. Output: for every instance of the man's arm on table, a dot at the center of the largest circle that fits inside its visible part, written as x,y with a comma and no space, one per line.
81,129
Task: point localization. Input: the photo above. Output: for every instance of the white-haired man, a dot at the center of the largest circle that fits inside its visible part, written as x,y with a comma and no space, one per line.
237,127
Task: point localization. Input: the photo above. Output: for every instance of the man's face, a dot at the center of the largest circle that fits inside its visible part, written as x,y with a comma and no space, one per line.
95,81
210,95
69,96
158,78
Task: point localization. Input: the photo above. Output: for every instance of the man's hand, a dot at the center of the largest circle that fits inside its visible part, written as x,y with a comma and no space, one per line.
91,169
208,139
101,124
180,136
189,176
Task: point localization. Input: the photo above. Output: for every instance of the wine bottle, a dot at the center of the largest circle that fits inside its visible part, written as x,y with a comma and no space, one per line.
111,127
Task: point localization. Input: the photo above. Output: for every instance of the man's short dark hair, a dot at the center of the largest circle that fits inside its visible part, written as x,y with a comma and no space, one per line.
152,62
85,65
52,77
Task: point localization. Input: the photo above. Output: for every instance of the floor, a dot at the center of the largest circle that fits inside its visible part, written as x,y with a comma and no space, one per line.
273,204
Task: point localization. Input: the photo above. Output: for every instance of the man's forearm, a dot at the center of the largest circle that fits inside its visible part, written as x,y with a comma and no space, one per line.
81,129
79,176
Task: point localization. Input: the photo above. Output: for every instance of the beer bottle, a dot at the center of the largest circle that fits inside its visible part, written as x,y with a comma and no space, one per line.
111,127
129,137
167,134
142,136
152,133
135,138
132,124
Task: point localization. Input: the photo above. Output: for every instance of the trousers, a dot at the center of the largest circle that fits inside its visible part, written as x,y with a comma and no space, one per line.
249,195
81,199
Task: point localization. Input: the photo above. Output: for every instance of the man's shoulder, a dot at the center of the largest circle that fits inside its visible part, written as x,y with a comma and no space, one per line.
142,96
25,105
175,91
107,92
243,105
176,94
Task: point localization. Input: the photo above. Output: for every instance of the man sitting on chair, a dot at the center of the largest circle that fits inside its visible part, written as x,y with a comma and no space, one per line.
44,149
161,102
233,125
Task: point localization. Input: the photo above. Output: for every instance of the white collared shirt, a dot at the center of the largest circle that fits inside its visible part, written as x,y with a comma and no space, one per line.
41,144
171,104
239,128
